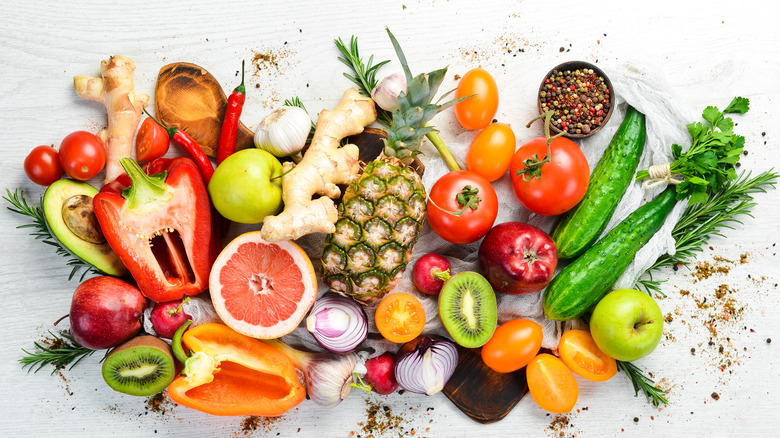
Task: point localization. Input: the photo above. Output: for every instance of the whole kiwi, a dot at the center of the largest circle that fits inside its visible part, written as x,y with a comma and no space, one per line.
141,366
468,309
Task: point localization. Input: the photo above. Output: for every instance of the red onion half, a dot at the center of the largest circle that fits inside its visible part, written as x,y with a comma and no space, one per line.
338,323
424,365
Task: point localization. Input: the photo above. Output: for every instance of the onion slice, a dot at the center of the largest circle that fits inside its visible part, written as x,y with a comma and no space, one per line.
338,323
424,365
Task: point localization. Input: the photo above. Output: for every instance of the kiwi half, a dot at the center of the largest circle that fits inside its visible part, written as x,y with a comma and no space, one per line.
141,366
468,309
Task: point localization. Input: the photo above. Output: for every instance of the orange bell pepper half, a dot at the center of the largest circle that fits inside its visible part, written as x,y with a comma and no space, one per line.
228,373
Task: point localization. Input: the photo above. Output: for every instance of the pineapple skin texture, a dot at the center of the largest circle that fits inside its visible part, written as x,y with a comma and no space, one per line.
380,219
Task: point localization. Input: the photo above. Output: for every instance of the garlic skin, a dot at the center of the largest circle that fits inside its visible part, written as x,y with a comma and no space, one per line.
283,132
386,92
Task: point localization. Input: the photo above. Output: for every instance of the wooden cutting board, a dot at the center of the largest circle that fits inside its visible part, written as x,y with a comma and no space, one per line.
482,394
189,98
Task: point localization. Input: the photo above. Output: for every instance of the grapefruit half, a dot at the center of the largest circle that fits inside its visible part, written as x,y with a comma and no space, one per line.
262,289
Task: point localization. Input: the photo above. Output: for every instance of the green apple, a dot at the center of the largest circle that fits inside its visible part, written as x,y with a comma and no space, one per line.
246,186
627,324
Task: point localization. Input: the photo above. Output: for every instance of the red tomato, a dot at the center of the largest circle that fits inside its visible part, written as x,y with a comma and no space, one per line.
42,165
562,183
473,222
580,353
82,155
551,384
490,153
477,111
513,345
152,141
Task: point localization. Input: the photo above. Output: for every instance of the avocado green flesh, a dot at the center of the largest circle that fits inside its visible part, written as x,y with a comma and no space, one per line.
101,256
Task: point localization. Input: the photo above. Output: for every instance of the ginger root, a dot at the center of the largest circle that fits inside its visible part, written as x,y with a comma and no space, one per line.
116,91
324,165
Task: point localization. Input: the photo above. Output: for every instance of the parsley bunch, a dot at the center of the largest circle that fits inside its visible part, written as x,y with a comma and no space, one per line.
715,150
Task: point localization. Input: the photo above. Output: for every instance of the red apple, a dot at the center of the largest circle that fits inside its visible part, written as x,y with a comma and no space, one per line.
167,317
517,258
105,312
428,273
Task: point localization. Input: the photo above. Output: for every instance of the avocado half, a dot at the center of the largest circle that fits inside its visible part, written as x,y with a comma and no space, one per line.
99,255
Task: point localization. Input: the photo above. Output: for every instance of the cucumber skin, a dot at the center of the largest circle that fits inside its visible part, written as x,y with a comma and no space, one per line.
581,227
581,284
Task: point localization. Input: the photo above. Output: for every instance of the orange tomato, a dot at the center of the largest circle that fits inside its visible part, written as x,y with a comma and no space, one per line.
552,384
400,317
513,345
580,353
491,151
477,111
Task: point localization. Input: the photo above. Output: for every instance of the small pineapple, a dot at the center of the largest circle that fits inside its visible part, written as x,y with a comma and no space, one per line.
383,211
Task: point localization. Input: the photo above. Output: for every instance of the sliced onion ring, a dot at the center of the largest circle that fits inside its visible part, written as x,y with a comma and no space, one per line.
425,364
338,323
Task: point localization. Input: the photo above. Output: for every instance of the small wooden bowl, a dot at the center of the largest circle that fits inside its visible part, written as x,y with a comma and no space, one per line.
571,66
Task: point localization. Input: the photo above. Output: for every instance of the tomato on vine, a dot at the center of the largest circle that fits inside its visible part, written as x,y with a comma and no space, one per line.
477,111
551,384
549,175
42,165
491,151
82,155
462,207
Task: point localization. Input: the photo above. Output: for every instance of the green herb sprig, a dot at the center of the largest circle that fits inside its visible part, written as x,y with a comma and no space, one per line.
41,232
60,352
700,222
714,151
653,394
364,74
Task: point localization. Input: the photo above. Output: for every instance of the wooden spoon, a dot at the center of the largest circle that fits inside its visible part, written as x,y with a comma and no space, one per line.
189,98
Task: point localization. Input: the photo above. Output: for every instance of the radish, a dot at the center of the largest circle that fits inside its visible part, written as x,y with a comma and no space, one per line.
430,272
167,317
380,374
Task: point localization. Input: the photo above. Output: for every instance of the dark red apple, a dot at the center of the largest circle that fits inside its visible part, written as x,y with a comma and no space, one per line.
105,312
428,273
517,258
167,317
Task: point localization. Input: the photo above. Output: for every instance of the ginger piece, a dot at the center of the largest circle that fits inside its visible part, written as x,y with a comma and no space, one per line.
115,90
324,165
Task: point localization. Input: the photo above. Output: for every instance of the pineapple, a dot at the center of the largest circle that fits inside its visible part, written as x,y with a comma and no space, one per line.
383,211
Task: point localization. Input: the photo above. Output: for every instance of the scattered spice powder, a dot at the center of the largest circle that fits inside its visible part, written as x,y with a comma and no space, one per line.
253,422
380,420
159,404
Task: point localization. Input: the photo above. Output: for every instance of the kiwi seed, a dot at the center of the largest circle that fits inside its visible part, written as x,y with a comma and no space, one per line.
141,366
468,309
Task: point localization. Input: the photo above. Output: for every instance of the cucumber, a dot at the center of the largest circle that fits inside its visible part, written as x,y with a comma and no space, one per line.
581,284
583,225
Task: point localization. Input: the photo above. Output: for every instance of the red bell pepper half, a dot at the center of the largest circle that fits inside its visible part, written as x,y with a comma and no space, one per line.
159,223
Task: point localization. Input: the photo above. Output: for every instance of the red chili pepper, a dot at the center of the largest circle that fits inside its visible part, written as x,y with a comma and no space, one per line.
191,147
158,221
227,136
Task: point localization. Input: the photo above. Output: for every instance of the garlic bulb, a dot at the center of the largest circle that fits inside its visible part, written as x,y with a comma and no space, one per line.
284,131
385,94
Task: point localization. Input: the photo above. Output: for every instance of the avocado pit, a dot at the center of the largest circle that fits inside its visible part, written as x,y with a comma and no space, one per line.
79,217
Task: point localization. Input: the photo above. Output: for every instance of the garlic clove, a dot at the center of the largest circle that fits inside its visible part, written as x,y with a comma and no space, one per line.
385,94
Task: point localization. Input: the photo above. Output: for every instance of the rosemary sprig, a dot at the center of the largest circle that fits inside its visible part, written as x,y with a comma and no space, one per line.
61,351
653,394
42,232
702,221
365,74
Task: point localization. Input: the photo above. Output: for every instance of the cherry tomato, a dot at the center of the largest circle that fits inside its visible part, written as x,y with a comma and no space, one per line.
472,197
477,111
152,141
82,155
491,151
42,165
551,384
580,353
400,317
513,345
562,183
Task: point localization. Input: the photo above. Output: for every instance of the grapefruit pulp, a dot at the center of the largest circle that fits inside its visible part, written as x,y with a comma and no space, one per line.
262,289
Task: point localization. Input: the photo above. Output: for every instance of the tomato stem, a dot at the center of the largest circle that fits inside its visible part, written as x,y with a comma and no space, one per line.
533,166
467,198
445,153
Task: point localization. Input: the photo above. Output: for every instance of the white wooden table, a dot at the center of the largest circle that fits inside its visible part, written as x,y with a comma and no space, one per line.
710,52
